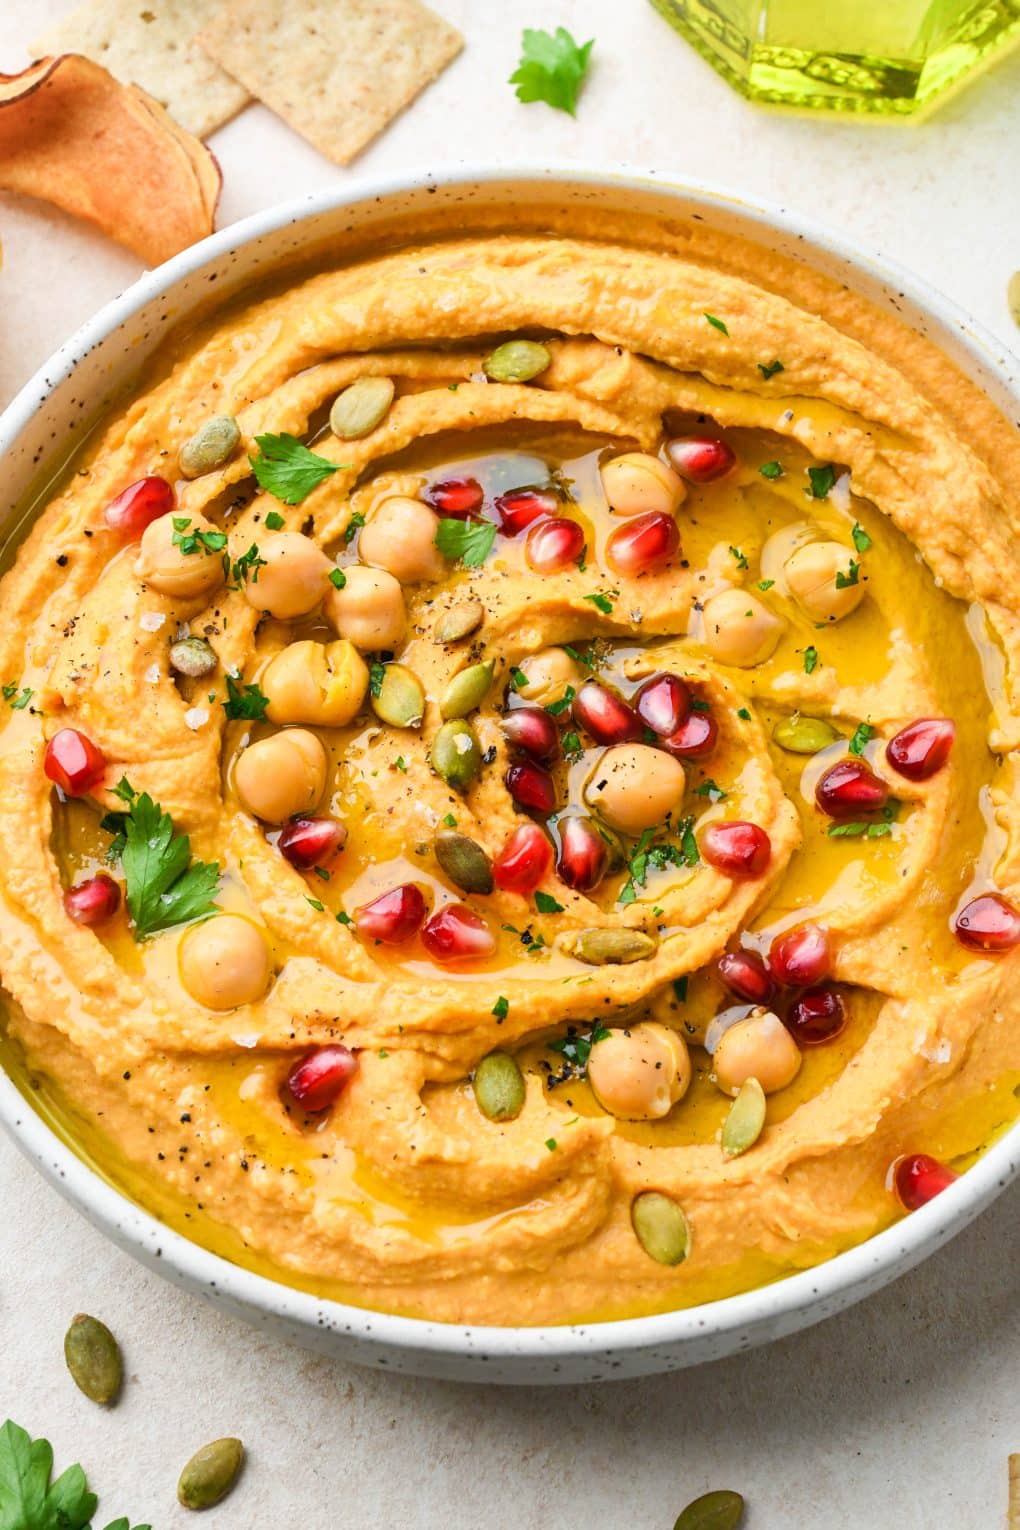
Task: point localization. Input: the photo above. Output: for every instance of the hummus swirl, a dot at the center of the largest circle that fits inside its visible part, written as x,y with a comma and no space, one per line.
402,1194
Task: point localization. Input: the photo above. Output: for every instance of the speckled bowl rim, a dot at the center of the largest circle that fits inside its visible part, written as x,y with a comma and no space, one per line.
645,1343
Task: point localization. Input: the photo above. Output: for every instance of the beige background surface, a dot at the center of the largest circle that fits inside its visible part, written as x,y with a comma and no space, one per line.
900,1413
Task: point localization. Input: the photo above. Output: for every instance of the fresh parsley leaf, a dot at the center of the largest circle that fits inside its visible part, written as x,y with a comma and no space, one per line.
716,323
30,1501
469,541
822,480
247,567
771,470
859,830
861,539
852,576
113,823
770,368
688,843
353,526
275,521
810,660
191,541
376,676
337,578
741,560
555,708
164,886
551,68
287,469
546,904
501,1008
862,733
244,701
602,602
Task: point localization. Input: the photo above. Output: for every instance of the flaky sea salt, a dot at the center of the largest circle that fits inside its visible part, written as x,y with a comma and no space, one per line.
195,717
151,621
153,673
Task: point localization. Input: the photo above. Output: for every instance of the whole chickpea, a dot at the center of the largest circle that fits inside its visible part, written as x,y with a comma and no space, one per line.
293,578
224,962
640,1073
401,538
165,564
281,775
758,1047
824,580
310,682
548,673
634,786
369,610
637,482
740,629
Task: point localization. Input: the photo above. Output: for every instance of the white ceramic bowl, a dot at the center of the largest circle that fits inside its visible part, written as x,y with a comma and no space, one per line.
36,433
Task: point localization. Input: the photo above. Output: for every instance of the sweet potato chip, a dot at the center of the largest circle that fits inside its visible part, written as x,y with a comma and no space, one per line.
108,153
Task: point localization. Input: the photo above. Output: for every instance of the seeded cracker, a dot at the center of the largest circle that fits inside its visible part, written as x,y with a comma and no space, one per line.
151,43
336,70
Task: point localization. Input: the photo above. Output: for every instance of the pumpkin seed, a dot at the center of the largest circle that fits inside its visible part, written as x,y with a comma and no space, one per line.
464,861
804,735
660,1227
744,1119
459,622
516,361
722,1510
193,657
93,1358
499,1087
210,1474
1013,295
603,948
361,407
456,755
466,690
401,698
210,447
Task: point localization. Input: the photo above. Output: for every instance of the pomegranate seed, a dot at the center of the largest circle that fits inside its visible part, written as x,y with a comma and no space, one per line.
554,544
988,923
520,507
531,787
738,849
73,762
746,975
94,901
318,1080
454,932
663,703
307,842
393,917
533,731
583,856
455,496
801,956
848,788
695,738
139,505
700,459
818,1015
922,748
608,719
645,542
919,1179
524,860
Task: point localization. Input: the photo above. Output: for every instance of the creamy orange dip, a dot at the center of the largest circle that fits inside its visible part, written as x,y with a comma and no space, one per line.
599,782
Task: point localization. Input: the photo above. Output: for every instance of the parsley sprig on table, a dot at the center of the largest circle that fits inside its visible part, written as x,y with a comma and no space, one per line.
287,469
552,68
30,1500
164,886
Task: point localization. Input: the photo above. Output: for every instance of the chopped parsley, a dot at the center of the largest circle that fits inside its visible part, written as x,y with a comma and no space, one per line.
518,679
771,470
740,558
857,830
700,706
191,541
287,469
648,857
320,907
450,821
17,703
164,886
555,708
716,323
551,1144
861,539
572,747
244,701
501,1008
852,576
711,790
680,989
770,368
343,918
337,578
575,1051
275,521
822,480
552,68
765,584
743,714
247,567
862,733
469,541
810,660
401,763
546,904
353,526
602,601
376,676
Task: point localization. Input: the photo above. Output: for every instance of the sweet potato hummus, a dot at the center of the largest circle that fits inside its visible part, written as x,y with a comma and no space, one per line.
508,796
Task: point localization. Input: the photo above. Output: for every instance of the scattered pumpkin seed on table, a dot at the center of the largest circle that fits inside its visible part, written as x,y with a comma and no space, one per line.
210,1474
93,1358
721,1510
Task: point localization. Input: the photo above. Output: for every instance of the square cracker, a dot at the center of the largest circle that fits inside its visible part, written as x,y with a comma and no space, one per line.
151,43
337,70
